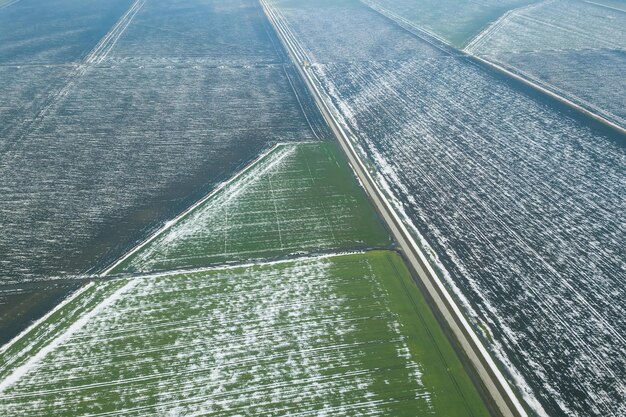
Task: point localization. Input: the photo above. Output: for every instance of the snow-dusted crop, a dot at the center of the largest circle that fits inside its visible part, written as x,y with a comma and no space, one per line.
520,203
315,336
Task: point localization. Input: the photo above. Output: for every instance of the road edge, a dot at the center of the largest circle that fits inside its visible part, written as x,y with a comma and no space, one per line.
497,386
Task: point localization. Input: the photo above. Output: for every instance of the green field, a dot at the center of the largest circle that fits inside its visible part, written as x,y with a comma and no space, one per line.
337,336
298,198
15,355
311,334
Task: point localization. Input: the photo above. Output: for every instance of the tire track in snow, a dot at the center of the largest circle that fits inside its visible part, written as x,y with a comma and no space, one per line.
477,40
106,44
71,330
93,58
9,3
288,150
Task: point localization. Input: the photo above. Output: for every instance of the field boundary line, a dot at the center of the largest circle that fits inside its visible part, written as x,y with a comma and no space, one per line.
481,36
79,69
106,44
18,372
446,47
295,93
251,263
168,224
497,386
8,3
400,21
562,93
597,4
36,323
544,90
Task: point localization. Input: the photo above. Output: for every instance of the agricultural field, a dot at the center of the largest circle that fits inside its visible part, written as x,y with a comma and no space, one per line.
67,34
331,41
593,78
574,48
347,332
19,303
555,25
116,123
515,199
336,335
170,32
24,91
455,21
99,145
151,153
297,198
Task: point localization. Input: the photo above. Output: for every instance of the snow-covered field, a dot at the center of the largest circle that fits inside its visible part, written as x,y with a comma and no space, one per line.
318,336
296,199
554,25
575,48
100,144
328,40
87,175
593,78
521,202
68,32
456,21
522,206
24,91
223,32
115,142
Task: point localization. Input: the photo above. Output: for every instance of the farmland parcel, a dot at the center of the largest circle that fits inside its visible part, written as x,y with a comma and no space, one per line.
298,198
341,335
119,118
334,334
516,199
574,48
122,119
